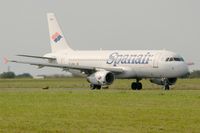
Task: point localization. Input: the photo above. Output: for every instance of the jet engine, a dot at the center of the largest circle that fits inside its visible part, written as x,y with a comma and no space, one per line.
101,78
163,81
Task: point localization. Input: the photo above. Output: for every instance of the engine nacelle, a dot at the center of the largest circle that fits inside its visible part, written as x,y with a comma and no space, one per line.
101,78
159,81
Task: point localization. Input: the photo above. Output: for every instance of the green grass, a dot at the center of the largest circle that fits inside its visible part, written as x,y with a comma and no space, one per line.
31,109
182,84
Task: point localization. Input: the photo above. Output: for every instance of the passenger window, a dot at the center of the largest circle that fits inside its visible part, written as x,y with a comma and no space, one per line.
167,59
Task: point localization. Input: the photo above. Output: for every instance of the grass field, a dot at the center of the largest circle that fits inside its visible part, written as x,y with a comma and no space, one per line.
182,84
25,107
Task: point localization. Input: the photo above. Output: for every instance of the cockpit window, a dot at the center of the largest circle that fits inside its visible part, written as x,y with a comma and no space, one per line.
177,59
182,59
169,59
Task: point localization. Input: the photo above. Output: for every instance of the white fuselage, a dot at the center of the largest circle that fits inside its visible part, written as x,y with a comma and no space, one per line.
136,64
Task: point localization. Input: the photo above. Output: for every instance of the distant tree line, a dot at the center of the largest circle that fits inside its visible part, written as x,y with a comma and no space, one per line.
10,75
195,74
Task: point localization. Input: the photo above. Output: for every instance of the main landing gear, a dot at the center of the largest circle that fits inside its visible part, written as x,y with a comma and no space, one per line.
93,87
136,85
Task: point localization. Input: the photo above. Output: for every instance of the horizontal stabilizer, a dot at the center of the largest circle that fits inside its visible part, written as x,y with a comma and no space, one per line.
39,57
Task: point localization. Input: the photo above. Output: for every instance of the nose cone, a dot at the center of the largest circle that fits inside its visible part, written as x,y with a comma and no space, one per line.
179,70
184,70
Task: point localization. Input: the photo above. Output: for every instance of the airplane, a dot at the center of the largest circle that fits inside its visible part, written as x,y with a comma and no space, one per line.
102,67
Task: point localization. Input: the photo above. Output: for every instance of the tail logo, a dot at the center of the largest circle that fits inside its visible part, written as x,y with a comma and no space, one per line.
56,37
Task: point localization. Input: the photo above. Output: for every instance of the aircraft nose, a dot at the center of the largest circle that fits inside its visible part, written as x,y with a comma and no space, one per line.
185,70
181,70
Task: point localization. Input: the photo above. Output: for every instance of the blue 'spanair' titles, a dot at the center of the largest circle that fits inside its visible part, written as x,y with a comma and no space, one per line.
116,58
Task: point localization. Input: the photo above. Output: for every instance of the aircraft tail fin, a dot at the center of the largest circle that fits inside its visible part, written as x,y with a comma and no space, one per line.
57,39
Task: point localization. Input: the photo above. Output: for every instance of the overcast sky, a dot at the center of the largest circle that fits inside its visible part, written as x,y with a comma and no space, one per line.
93,24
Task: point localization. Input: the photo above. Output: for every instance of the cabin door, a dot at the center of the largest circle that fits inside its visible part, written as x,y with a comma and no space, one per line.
156,60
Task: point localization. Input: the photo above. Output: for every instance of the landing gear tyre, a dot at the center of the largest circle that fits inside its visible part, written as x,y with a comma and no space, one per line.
134,86
167,87
93,87
98,87
139,86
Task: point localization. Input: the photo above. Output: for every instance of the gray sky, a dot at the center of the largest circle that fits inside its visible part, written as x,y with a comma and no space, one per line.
92,24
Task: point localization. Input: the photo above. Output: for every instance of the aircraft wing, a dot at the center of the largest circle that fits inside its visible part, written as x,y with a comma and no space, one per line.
86,69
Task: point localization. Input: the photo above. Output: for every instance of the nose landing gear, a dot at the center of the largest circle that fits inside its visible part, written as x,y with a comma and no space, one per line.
166,84
167,87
